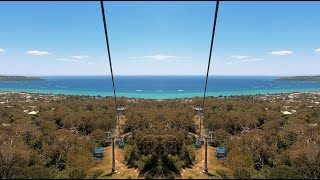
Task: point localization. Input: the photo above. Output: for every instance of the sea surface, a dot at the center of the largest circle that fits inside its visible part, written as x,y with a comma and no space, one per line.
160,87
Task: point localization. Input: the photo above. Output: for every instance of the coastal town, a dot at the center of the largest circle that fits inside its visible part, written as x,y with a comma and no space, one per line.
27,101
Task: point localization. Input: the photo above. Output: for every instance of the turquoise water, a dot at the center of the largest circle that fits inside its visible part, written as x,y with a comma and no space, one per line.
160,87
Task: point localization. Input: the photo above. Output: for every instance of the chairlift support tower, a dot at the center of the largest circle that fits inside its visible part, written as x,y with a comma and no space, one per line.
120,111
199,112
110,138
209,138
205,169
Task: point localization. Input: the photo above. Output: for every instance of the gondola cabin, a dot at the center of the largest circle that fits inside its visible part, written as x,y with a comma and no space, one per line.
98,153
221,153
121,144
121,111
197,145
199,111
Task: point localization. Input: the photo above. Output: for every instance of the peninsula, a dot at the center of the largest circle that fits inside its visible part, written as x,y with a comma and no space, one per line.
18,78
299,78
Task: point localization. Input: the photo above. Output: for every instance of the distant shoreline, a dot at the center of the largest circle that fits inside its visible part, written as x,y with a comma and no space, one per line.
299,78
19,78
142,98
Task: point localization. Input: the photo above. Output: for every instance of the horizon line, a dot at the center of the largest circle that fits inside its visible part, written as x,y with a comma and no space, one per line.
158,75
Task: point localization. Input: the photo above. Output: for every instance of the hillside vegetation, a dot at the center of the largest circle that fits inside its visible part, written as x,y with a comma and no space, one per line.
278,132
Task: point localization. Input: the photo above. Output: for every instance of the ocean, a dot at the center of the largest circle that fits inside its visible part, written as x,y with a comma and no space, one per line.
160,87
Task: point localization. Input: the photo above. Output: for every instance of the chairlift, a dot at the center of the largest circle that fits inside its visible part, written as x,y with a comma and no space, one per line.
197,145
121,144
98,153
109,136
211,138
221,153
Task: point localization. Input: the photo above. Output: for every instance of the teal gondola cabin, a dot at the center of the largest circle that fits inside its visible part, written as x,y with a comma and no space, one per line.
121,144
197,145
98,153
221,153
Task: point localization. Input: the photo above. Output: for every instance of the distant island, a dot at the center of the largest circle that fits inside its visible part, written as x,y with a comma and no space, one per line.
19,78
300,78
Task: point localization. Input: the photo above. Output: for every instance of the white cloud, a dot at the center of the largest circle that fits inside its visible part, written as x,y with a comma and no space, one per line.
37,53
249,60
317,50
70,60
161,57
244,60
2,50
239,57
76,60
79,57
281,53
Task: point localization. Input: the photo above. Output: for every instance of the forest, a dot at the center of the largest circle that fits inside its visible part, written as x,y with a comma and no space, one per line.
58,141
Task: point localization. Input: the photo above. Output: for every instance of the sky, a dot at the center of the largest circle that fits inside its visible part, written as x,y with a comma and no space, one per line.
159,38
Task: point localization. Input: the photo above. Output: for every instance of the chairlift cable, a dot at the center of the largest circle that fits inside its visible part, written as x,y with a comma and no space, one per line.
211,47
205,169
114,89
108,48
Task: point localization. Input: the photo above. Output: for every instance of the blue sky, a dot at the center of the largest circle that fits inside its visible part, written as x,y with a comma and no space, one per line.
159,38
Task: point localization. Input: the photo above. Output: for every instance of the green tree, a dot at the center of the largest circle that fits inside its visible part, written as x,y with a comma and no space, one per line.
285,172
